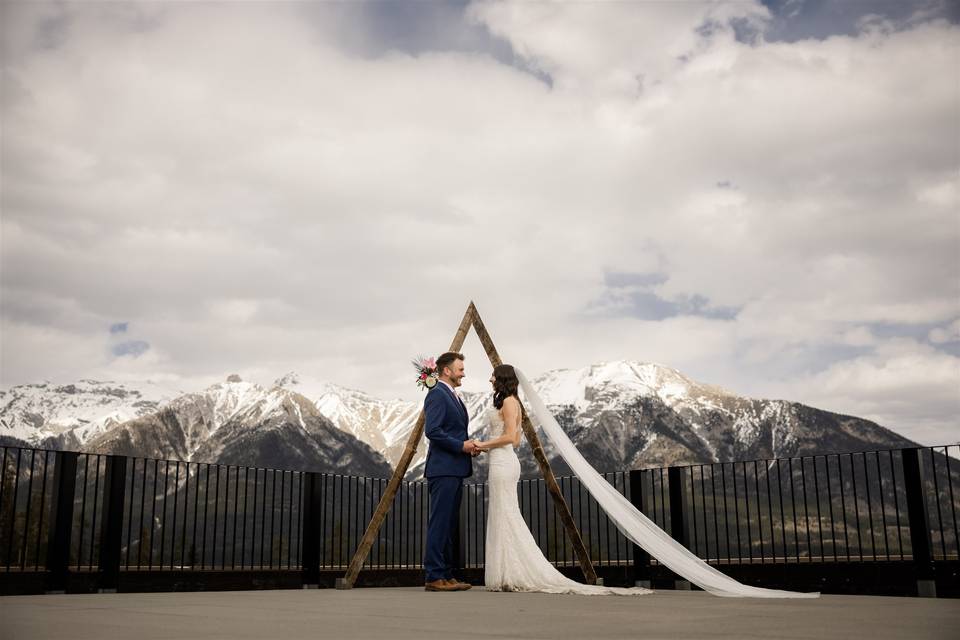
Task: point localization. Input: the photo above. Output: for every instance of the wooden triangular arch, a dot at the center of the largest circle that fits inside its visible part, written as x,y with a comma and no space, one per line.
470,318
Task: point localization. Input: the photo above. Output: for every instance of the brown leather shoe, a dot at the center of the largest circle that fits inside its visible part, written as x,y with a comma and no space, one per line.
460,586
439,585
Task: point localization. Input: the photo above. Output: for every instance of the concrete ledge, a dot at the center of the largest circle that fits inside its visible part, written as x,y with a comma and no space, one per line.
926,588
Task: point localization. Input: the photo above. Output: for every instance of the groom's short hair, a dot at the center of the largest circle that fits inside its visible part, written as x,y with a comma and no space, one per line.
447,359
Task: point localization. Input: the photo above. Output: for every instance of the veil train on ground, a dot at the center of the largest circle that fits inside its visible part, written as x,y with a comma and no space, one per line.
637,527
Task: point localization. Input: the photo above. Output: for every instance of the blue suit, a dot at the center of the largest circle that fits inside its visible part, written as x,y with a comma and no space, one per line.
445,425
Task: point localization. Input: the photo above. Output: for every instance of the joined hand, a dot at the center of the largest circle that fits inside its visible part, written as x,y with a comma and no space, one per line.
473,448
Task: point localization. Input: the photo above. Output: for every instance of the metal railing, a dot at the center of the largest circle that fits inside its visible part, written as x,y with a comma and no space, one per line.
822,508
67,512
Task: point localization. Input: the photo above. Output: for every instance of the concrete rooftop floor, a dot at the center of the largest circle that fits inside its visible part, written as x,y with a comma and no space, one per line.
402,613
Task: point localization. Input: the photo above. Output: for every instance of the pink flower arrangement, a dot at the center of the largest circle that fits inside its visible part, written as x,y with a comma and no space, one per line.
427,375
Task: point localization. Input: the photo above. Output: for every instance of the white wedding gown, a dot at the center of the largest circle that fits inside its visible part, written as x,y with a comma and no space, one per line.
514,561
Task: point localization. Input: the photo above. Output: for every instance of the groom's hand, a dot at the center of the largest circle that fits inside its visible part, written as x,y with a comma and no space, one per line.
470,446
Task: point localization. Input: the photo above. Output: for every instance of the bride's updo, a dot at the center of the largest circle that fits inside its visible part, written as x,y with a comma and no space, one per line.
505,384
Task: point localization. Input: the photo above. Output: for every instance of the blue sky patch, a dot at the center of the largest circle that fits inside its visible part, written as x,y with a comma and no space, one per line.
133,348
632,294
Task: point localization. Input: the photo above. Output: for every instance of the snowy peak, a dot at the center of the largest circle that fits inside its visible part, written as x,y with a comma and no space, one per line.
238,402
79,413
290,380
33,412
236,399
383,424
619,382
239,422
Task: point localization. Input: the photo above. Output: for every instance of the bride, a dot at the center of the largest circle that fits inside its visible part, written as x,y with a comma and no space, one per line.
514,561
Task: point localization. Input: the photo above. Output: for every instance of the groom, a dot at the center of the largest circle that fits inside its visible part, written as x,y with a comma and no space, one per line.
449,461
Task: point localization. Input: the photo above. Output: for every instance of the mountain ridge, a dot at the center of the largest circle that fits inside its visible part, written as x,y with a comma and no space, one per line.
621,414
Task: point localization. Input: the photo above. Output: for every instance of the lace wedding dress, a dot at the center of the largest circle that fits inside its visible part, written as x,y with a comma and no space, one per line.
514,561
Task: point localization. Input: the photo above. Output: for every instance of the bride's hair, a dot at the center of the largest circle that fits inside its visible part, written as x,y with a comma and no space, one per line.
504,385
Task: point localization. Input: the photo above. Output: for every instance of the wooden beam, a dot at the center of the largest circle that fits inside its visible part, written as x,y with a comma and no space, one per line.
470,318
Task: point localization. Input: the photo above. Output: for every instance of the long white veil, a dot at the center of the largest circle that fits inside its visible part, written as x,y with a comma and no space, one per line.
637,527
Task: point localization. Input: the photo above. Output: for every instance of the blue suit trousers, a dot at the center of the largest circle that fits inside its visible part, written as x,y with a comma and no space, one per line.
445,495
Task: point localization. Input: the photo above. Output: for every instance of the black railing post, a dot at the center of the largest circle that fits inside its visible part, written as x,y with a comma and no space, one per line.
678,528
641,559
111,538
919,524
61,524
310,533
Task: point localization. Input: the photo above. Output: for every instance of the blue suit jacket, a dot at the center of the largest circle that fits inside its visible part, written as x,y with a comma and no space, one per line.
446,428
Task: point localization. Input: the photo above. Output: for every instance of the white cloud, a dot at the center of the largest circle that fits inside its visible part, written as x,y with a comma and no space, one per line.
944,335
617,49
904,383
945,194
256,198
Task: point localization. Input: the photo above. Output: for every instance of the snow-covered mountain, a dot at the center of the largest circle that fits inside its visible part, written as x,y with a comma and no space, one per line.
382,424
72,414
386,424
627,415
233,422
621,415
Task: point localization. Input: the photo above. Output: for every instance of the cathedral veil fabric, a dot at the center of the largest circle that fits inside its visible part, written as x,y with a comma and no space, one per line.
637,527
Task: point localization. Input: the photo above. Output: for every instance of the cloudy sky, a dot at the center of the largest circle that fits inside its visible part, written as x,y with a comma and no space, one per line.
763,195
